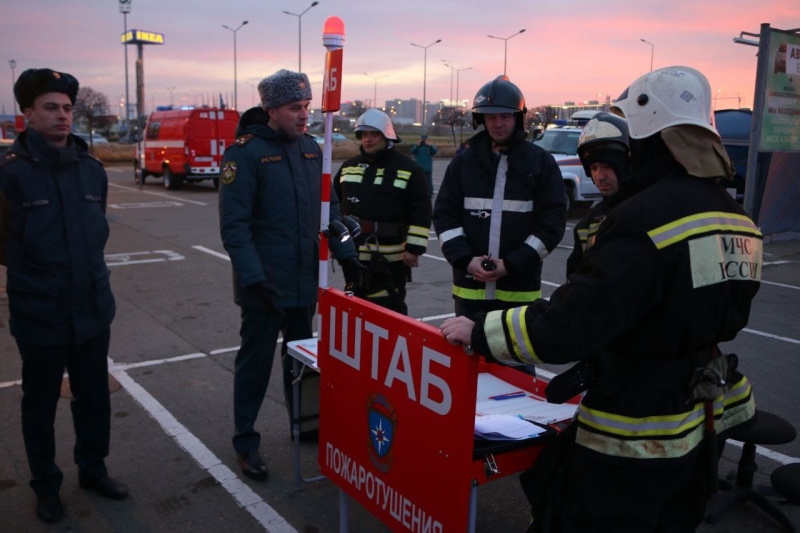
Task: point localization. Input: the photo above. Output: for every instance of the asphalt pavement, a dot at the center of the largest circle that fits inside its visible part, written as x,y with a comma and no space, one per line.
174,340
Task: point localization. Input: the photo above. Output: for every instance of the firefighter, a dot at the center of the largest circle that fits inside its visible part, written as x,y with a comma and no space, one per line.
387,192
671,274
604,151
501,208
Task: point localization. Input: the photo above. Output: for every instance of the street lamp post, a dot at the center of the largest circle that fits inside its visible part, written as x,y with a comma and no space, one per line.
13,64
170,89
375,89
235,84
652,49
424,81
125,8
458,72
449,64
300,34
505,51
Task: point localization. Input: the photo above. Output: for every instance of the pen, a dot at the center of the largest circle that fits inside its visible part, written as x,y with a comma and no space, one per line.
508,395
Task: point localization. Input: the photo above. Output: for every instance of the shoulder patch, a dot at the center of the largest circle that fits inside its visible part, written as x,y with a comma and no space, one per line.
243,139
228,173
9,157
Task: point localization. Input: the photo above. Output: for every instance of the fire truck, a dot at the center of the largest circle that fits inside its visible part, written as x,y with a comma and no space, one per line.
184,144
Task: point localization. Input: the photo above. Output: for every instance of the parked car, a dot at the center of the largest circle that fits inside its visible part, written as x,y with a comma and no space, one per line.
336,137
96,138
562,143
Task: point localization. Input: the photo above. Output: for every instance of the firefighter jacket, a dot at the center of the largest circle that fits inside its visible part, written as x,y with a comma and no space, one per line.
510,205
269,211
585,230
55,231
671,274
387,192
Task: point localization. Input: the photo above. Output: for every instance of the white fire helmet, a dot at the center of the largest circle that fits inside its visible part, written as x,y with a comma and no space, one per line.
666,97
376,120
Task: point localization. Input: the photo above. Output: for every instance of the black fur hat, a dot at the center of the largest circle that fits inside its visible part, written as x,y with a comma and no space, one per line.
35,82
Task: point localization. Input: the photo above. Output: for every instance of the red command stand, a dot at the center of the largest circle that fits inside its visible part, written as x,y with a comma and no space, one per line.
397,417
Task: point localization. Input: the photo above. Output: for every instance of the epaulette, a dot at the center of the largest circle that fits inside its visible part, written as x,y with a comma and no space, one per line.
9,157
96,159
243,139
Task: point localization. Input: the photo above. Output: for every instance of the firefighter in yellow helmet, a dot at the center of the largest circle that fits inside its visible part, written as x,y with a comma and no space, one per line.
671,274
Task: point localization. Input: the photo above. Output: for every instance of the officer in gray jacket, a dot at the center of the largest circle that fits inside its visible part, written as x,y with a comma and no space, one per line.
269,210
53,232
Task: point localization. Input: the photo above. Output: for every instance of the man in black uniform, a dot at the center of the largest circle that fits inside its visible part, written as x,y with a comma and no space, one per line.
387,192
501,208
671,274
53,200
604,150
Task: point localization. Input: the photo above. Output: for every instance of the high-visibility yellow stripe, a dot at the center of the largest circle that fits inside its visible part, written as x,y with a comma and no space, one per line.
504,296
662,436
416,240
712,221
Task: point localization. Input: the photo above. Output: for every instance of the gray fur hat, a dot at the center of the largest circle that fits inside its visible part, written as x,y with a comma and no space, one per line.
284,87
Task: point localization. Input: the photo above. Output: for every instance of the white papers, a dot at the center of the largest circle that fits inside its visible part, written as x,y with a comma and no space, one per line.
305,351
520,405
505,427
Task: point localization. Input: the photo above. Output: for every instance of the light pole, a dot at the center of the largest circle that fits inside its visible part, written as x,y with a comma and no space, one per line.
424,81
252,93
13,64
375,90
449,64
170,89
458,72
235,84
125,8
300,34
652,49
505,52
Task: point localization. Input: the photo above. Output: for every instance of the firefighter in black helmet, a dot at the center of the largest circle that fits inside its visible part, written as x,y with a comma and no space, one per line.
604,150
501,207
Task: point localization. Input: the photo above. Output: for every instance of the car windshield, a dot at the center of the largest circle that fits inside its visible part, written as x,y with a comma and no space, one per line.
559,141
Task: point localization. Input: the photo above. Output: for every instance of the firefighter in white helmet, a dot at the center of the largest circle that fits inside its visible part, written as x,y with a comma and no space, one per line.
387,192
604,151
671,274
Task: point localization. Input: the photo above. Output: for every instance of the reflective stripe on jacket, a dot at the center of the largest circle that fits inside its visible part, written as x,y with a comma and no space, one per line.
510,205
672,273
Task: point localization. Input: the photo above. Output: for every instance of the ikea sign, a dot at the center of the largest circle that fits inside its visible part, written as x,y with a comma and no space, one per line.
142,37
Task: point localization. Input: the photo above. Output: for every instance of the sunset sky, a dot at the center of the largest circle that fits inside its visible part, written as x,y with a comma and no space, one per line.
572,50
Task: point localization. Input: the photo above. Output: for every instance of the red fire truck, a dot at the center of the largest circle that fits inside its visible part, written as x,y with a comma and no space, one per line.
184,144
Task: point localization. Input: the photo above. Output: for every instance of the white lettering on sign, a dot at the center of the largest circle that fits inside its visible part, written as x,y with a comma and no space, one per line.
417,371
720,258
405,511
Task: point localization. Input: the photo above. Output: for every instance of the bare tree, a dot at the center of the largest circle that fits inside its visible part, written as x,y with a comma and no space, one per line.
89,104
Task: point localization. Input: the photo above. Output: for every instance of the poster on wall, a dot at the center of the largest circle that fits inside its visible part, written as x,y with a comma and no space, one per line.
780,129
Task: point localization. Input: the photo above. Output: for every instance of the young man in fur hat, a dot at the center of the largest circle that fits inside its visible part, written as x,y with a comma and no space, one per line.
269,209
52,236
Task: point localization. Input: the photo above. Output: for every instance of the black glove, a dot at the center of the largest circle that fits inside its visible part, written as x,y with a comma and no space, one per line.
353,273
267,294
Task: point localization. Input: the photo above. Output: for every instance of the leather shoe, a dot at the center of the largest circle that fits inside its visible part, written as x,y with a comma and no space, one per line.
105,486
49,508
252,465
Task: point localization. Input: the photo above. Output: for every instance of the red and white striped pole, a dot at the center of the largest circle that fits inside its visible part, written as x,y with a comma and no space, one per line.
333,40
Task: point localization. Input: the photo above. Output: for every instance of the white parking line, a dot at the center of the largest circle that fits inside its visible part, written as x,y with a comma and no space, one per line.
160,195
243,494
